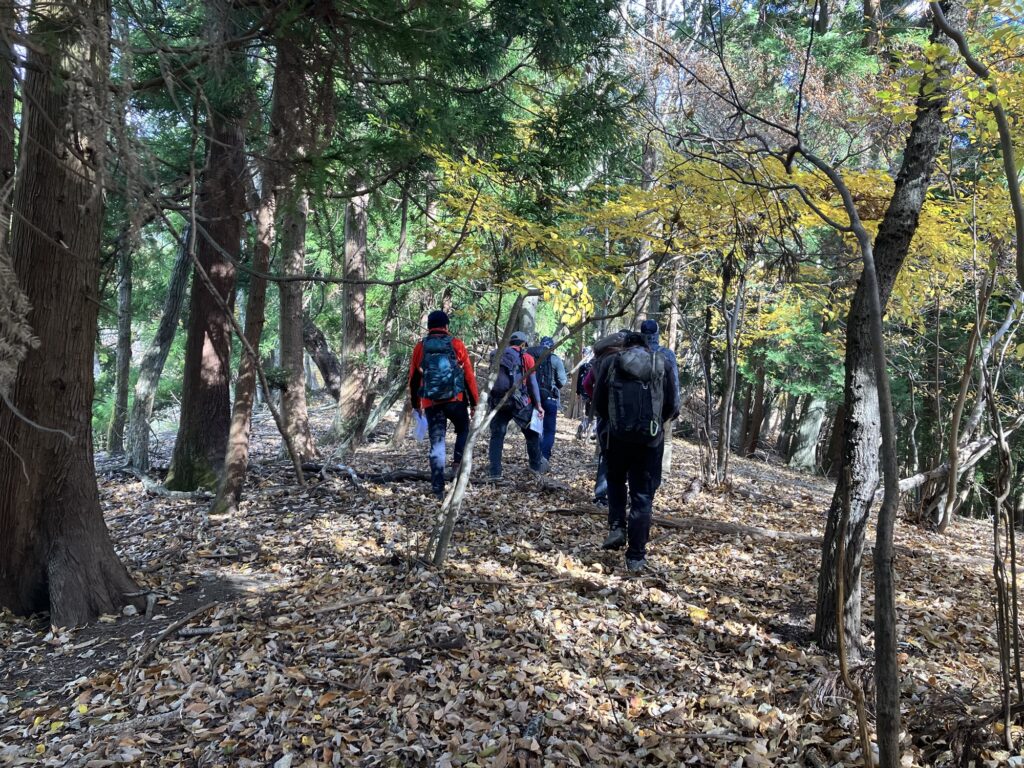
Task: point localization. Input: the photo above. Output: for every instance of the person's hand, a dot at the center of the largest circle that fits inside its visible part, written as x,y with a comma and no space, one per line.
541,412
472,412
422,412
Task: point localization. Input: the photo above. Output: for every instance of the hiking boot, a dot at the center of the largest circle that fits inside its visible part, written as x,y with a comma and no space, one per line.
616,539
494,477
635,566
601,501
543,468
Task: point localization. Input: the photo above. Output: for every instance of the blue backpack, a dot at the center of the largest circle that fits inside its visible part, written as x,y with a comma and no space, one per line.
442,377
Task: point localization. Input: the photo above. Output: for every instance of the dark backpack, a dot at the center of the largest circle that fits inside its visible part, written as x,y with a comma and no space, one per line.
545,371
442,377
510,372
636,395
584,370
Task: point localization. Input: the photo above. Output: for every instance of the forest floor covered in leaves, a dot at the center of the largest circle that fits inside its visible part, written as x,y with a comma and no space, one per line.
303,630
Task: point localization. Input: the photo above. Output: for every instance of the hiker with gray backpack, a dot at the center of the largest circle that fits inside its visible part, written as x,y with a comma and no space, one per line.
514,397
634,397
443,388
551,377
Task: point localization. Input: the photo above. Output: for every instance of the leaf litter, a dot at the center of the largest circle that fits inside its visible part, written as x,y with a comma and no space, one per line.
305,631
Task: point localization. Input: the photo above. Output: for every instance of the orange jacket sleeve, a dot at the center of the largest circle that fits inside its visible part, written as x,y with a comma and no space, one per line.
467,368
414,375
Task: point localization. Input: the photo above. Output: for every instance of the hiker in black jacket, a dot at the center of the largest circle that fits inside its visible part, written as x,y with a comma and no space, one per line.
634,397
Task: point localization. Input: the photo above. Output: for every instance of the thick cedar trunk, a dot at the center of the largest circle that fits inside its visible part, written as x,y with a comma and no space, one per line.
804,446
15,334
115,438
320,352
354,402
202,439
862,429
55,551
274,174
293,261
293,120
152,364
786,430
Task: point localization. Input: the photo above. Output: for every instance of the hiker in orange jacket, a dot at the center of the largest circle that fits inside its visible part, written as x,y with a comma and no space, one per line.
442,388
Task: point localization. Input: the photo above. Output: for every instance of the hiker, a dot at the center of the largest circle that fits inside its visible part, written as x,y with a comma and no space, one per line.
515,379
585,428
649,329
603,348
633,395
443,388
550,378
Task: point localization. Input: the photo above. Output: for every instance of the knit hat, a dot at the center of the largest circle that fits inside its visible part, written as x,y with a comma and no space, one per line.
547,342
649,327
437,319
517,338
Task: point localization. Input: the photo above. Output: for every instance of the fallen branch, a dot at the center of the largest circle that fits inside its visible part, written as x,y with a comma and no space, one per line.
346,604
203,631
157,489
174,626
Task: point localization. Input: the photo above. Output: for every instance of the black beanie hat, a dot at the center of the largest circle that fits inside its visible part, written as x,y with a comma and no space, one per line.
437,319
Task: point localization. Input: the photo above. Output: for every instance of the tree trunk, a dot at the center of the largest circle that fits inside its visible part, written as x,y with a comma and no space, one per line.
872,24
731,319
55,551
115,437
152,365
821,22
672,336
755,416
293,261
804,449
527,322
202,440
645,295
293,123
320,352
355,398
787,428
15,333
861,428
834,452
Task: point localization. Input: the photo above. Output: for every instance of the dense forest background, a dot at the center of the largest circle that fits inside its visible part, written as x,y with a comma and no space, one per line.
215,208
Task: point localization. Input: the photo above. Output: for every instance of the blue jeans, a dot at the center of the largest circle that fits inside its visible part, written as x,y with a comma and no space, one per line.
547,441
639,468
499,426
438,416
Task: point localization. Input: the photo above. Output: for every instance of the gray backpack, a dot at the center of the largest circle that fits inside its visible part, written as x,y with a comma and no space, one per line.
636,395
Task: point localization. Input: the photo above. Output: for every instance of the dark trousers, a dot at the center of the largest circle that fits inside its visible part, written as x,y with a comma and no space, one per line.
499,426
438,416
601,481
547,441
639,468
